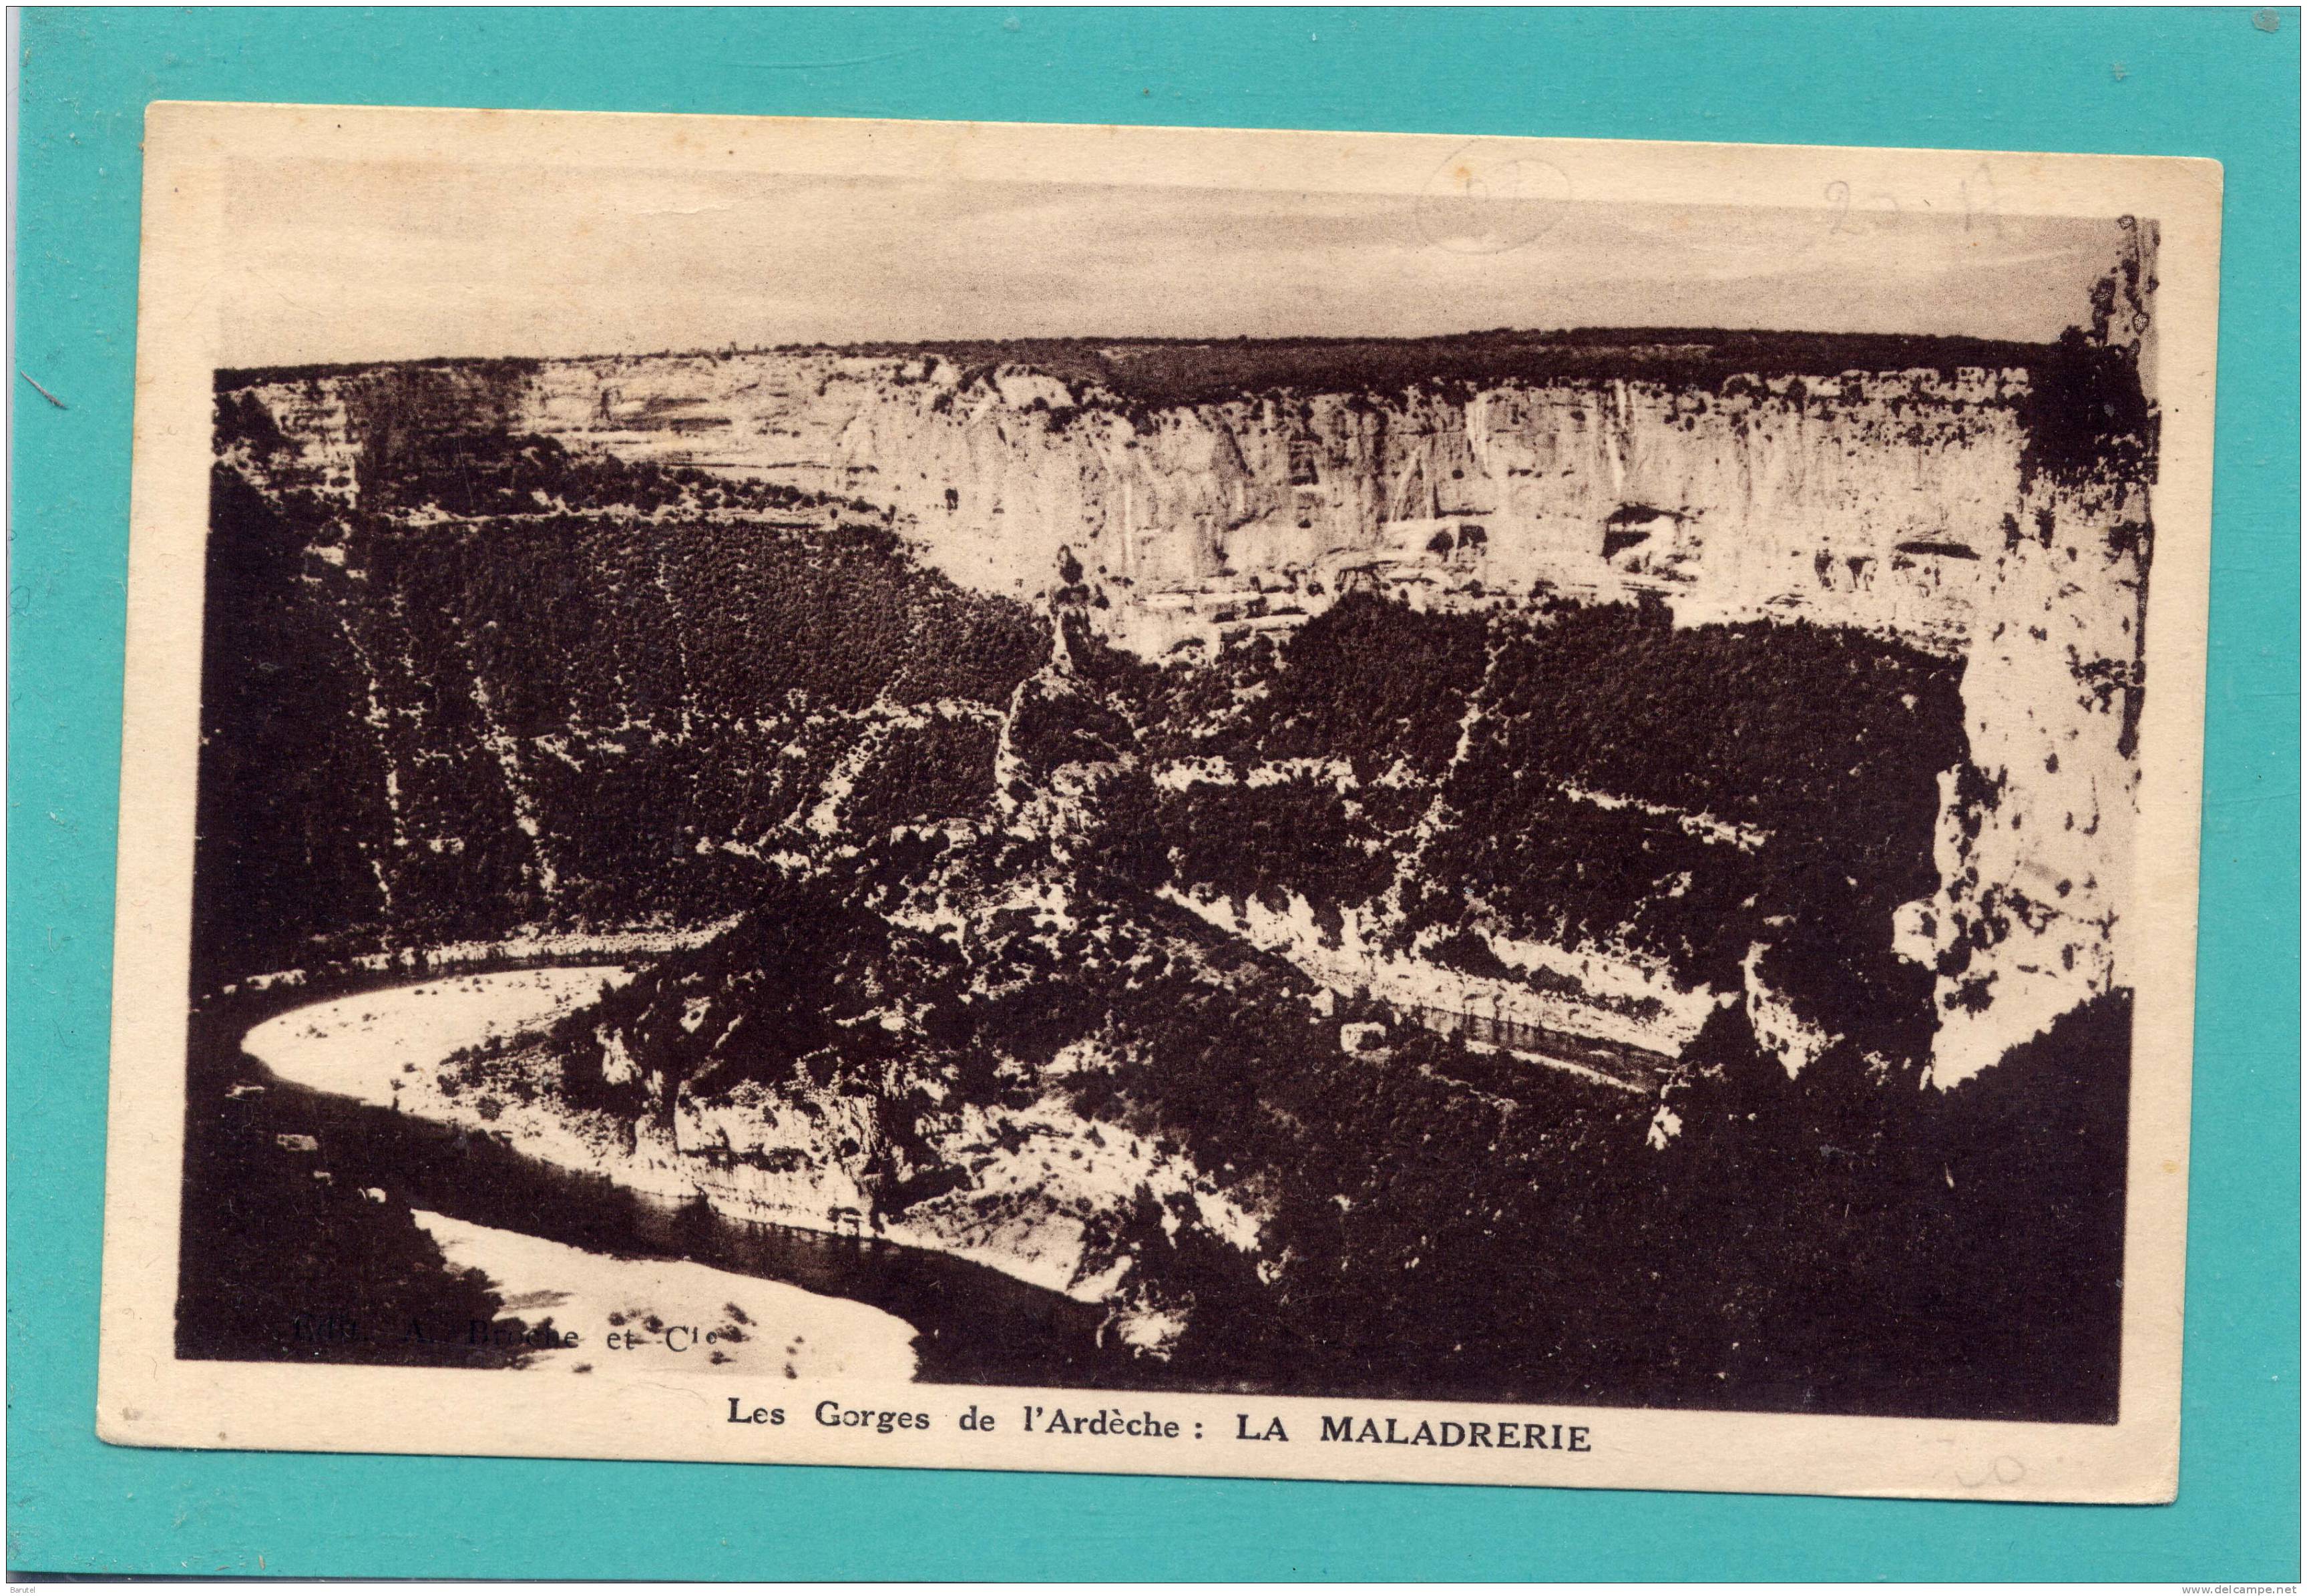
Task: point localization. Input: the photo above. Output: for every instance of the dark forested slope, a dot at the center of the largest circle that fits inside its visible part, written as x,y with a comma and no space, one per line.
510,688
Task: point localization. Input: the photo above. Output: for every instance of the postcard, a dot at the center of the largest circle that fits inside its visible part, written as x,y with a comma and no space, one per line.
1347,806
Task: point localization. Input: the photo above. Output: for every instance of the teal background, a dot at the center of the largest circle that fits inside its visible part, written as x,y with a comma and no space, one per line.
2215,82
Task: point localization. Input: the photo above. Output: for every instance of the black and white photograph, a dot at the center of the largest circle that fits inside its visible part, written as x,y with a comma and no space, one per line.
1262,803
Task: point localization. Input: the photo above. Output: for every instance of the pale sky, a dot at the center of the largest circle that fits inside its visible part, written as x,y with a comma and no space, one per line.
419,260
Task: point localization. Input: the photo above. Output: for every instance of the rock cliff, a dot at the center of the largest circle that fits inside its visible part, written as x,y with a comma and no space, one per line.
1860,497
1915,491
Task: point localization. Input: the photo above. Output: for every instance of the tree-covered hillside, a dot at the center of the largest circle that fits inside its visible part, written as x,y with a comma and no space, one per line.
509,687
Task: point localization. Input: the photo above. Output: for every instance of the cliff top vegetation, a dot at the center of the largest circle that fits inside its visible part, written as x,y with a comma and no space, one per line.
1162,371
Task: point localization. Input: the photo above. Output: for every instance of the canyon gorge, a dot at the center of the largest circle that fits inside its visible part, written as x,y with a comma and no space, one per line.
1260,836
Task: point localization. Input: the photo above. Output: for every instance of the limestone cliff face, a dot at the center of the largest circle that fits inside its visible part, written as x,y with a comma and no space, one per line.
2035,850
1910,502
1859,498
1774,498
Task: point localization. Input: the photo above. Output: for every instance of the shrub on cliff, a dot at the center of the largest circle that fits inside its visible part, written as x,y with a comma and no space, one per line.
940,769
1270,841
2086,418
1055,723
1369,681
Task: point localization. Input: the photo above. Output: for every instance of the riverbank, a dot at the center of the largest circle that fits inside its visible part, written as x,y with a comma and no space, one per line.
1038,1177
672,1316
374,1046
533,949
321,1072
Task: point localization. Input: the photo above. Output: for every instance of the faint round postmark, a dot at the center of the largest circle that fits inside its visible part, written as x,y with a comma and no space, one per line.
1489,197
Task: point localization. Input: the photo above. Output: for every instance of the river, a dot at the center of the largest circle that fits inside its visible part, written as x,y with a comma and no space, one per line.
572,1245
